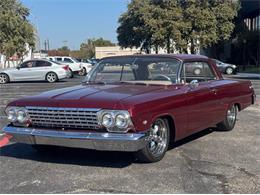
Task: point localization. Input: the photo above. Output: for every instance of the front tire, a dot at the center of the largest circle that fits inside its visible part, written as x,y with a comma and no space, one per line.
4,78
51,77
157,143
82,72
229,122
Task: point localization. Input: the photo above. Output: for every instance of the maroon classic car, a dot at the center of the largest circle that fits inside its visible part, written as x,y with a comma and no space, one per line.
133,103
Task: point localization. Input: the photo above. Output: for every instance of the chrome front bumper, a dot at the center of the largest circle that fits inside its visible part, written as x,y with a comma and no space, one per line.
90,140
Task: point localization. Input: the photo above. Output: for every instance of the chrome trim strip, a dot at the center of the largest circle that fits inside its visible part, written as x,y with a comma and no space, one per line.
62,108
89,140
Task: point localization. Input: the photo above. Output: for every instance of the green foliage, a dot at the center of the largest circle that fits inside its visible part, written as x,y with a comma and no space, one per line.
15,29
87,50
176,24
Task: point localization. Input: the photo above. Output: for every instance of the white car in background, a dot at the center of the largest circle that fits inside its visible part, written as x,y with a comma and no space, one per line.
35,70
75,66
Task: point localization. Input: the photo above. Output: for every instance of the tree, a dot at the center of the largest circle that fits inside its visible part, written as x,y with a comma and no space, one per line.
87,49
15,30
179,24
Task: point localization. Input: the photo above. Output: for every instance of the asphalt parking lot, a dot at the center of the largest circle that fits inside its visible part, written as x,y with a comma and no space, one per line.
207,162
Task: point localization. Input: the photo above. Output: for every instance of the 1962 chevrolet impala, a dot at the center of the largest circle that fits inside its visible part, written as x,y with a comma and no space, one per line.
132,103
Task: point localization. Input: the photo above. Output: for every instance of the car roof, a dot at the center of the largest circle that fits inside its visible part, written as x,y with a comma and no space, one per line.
182,57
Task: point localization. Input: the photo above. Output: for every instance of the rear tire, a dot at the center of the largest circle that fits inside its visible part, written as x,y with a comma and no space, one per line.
157,143
4,78
51,77
71,74
229,70
229,122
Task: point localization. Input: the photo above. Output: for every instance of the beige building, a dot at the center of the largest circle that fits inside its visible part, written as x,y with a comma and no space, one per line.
102,52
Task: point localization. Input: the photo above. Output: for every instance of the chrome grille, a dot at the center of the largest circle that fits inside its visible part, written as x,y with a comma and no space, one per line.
78,118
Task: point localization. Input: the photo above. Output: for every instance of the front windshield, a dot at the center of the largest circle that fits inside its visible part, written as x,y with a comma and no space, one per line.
144,70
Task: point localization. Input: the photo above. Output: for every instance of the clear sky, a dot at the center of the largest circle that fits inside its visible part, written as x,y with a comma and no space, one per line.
75,21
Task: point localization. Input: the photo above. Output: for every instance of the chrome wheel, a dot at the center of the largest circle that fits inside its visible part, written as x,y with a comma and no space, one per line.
229,70
51,77
231,115
157,141
3,78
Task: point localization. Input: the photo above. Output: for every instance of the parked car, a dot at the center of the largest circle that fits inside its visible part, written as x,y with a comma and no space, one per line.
127,104
226,68
35,70
74,65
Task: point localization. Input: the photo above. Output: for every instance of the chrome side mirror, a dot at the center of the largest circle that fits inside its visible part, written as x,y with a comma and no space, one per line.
193,84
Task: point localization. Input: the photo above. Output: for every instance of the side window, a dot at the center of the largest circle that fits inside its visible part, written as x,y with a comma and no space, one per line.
200,71
59,59
28,64
121,73
42,63
68,60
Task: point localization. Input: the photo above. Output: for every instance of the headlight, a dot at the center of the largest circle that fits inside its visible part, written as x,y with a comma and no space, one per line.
115,120
121,121
21,116
108,120
11,114
17,115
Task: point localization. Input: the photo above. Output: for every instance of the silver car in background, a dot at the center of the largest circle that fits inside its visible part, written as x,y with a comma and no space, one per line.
226,68
35,70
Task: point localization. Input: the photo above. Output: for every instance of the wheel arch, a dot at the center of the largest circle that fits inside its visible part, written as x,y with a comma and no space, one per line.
229,67
9,78
51,72
171,122
238,106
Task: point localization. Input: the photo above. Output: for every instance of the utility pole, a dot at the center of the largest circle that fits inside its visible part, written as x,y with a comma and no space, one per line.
48,44
45,45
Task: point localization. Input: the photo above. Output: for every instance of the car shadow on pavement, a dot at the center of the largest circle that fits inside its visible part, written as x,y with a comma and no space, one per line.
17,82
75,156
83,157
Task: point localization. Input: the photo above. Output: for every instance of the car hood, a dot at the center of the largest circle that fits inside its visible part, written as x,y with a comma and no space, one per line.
87,96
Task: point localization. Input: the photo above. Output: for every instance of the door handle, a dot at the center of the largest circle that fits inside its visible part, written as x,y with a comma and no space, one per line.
214,91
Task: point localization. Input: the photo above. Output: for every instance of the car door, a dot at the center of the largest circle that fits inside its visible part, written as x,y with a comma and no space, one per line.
41,68
24,71
199,97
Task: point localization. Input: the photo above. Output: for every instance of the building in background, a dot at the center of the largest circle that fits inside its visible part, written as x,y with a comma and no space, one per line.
101,52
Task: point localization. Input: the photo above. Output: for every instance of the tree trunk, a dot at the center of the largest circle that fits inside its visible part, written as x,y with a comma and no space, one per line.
192,47
168,45
156,49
